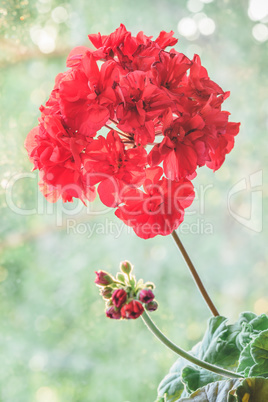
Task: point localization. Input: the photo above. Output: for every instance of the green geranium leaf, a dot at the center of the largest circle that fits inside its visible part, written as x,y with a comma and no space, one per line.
213,392
253,359
196,377
250,389
260,323
245,361
259,351
171,387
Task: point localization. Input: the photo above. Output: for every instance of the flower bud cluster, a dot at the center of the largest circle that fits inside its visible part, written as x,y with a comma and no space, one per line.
124,296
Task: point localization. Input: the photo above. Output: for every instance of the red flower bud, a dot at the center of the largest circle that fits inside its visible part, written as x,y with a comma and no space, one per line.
103,278
132,310
151,306
106,293
146,295
119,297
112,313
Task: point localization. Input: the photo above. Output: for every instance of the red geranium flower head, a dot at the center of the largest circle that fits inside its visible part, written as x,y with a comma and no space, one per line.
164,119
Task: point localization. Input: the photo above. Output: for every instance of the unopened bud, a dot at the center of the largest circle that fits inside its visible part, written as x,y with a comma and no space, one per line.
126,267
112,312
132,310
119,297
103,278
151,306
106,293
146,295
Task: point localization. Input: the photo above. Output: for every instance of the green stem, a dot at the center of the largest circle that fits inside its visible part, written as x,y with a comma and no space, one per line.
156,331
195,275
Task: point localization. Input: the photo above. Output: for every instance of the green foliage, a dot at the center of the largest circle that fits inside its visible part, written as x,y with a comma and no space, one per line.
214,392
241,347
250,389
254,358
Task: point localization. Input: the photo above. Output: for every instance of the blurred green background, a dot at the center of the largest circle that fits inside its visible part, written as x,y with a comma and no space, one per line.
55,342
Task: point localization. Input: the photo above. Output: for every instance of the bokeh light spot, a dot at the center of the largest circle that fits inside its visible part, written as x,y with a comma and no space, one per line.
46,394
195,6
260,32
258,9
46,43
206,26
261,306
38,362
43,7
59,15
188,28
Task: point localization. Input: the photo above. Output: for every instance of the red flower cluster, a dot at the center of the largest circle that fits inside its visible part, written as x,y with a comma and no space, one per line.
125,296
159,107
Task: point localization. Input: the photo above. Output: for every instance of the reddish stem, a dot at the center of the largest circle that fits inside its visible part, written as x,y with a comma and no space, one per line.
195,275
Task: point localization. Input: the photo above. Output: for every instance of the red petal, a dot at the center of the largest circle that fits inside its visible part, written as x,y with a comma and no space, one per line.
76,55
30,142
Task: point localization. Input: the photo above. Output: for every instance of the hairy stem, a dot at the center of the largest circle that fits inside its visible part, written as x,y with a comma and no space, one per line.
195,275
156,331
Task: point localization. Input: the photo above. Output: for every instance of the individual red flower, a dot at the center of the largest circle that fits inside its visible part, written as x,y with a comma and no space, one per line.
159,209
109,43
170,71
132,310
108,161
224,146
113,313
146,296
56,152
200,85
176,150
192,141
119,297
141,101
86,95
